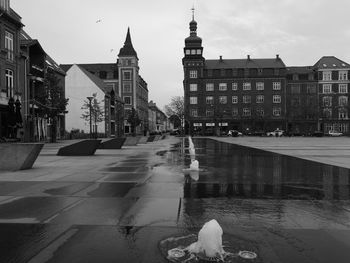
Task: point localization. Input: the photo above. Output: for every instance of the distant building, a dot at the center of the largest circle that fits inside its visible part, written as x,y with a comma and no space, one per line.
122,81
158,121
222,94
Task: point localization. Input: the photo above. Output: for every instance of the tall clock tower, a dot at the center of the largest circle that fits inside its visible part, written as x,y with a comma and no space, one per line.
193,64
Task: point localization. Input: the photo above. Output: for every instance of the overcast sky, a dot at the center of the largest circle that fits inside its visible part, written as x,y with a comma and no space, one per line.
300,31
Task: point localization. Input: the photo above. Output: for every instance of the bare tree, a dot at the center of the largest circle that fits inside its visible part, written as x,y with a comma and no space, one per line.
176,108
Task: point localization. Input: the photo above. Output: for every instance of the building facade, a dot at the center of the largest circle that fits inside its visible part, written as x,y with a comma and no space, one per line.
222,94
157,120
10,89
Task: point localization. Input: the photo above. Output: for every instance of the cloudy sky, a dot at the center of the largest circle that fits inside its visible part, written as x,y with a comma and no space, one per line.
300,31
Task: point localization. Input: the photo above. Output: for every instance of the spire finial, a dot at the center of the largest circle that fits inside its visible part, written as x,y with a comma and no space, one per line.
192,12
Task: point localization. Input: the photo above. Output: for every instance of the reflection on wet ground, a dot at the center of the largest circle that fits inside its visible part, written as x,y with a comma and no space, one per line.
283,208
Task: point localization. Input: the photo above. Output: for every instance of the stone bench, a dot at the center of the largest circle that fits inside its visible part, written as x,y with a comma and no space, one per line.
151,138
143,140
131,141
18,156
115,143
82,148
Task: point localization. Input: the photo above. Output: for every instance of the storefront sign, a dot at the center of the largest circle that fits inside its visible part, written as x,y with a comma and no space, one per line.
197,124
210,124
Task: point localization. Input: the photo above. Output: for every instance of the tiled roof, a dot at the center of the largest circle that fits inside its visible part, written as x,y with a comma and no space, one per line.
330,62
300,70
99,82
244,63
66,67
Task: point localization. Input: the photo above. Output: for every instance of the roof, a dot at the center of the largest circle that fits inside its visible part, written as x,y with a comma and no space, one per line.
127,49
331,62
99,82
52,64
300,70
244,63
92,66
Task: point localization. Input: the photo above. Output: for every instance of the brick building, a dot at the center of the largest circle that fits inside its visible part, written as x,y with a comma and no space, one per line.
221,94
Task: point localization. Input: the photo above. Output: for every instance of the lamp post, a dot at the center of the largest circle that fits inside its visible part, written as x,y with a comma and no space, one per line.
90,98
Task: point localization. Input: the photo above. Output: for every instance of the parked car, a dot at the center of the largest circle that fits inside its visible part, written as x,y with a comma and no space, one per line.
275,133
234,133
334,133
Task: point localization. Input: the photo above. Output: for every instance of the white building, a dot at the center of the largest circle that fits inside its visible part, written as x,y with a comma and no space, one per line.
81,84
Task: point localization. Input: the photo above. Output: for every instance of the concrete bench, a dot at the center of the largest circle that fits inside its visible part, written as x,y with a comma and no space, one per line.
143,140
151,138
115,143
18,156
82,148
131,141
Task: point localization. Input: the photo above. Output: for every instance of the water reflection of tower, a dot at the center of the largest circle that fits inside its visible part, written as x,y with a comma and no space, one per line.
277,175
247,173
327,174
260,185
343,183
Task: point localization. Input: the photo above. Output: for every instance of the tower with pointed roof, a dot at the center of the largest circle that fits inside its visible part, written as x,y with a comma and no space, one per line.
132,88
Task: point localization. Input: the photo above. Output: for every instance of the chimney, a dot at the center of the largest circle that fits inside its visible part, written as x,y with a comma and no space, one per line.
248,57
277,56
220,58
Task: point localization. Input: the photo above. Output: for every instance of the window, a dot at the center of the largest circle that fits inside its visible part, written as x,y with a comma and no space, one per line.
234,112
343,75
193,74
327,101
327,88
188,52
246,112
343,114
246,86
276,111
327,75
343,101
209,113
260,86
311,88
127,87
126,75
222,86
234,86
127,100
193,87
295,88
276,85
193,100
343,88
260,99
246,99
5,4
9,45
327,113
222,99
276,99
260,71
194,113
209,100
260,112
234,99
9,82
193,52
199,51
209,87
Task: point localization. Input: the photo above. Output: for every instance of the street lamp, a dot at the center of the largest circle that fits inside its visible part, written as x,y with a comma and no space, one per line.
90,98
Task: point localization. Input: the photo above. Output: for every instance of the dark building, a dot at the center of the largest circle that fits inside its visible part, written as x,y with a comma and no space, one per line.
302,100
10,89
244,94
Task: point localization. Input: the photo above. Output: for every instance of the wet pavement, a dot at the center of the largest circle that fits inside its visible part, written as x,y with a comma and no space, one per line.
118,205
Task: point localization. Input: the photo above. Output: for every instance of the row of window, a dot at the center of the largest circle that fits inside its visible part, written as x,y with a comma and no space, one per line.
245,99
342,75
193,52
245,86
327,88
311,88
328,113
246,112
327,101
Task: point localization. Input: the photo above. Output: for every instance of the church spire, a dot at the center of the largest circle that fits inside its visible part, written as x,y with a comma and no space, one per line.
127,49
